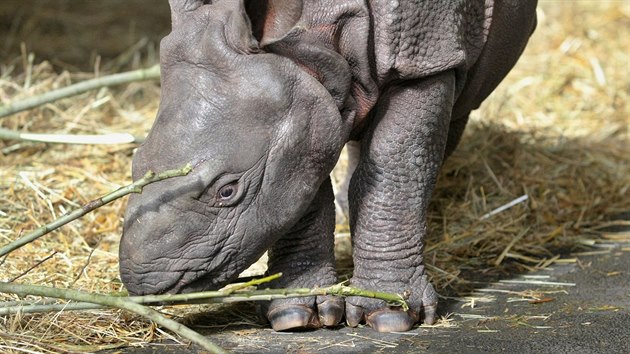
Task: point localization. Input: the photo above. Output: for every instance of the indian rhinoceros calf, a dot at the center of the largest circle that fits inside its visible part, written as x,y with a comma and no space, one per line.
261,96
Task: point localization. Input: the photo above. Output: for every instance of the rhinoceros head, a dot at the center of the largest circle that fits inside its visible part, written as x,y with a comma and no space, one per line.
260,129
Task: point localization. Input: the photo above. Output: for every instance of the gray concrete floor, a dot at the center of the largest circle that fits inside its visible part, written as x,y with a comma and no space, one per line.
591,317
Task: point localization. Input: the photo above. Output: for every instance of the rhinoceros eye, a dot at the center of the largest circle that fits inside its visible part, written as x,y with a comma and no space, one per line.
226,192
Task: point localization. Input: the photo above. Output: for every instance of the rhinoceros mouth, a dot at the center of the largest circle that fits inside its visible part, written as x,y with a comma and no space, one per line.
144,282
185,282
196,282
190,281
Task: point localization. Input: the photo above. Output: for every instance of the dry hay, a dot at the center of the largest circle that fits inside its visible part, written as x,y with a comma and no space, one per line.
556,130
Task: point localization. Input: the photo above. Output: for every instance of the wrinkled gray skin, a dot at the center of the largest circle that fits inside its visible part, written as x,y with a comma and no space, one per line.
261,97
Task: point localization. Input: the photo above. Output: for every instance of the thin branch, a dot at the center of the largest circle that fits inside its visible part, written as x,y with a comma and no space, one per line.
230,295
253,282
113,301
136,187
267,294
113,138
29,307
56,307
89,301
87,263
32,267
151,73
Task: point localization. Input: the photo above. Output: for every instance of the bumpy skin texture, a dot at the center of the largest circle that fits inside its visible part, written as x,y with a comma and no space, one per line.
261,96
389,194
305,256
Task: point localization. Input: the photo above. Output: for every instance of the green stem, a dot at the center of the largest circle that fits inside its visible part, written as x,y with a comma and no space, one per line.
268,294
28,307
224,296
252,282
113,301
151,73
104,139
33,308
136,187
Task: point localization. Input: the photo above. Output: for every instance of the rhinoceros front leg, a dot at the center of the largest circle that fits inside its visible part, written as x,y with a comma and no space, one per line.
306,258
401,155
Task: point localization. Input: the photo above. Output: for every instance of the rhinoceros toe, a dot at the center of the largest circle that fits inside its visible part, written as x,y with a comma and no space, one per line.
310,313
293,317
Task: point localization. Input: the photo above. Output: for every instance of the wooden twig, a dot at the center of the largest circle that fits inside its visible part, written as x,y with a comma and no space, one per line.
136,187
55,307
29,307
151,73
230,295
90,301
113,138
33,267
113,301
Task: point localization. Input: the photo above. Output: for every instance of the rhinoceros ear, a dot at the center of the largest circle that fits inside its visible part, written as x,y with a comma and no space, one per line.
326,65
203,28
273,19
276,25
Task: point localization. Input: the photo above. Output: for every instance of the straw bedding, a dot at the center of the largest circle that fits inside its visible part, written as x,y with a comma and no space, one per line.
556,130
